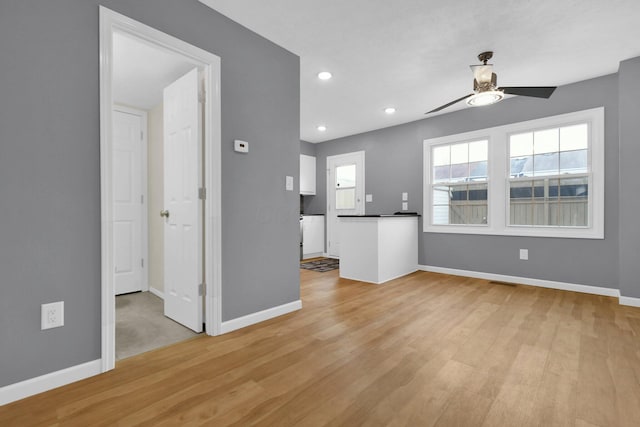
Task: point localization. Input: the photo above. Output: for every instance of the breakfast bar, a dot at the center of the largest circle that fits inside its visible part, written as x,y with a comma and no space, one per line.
378,248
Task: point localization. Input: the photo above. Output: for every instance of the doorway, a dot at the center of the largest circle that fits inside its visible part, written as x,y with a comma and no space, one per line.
205,152
345,194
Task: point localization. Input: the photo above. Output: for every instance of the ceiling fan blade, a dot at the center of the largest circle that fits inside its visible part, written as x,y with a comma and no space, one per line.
442,107
535,91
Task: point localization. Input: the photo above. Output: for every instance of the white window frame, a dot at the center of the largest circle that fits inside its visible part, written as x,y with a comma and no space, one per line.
498,179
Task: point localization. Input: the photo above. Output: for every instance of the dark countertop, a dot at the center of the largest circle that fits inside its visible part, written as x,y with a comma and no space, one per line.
408,214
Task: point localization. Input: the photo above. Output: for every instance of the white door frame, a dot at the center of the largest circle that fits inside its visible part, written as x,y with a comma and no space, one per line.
330,225
111,22
144,235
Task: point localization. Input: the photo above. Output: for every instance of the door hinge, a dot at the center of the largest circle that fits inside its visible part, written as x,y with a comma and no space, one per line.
141,135
202,193
142,199
142,262
202,289
202,97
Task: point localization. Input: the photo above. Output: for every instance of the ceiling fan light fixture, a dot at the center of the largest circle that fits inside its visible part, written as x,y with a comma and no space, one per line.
485,98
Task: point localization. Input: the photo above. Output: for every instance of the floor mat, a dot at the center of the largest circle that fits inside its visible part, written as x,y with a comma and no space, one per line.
321,265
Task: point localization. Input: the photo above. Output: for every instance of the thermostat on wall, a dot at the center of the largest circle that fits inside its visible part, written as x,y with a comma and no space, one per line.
241,146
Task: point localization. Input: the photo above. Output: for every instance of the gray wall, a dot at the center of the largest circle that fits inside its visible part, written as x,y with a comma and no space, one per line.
393,164
307,148
50,179
629,76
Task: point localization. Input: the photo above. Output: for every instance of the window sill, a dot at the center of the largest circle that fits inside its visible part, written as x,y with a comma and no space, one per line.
519,231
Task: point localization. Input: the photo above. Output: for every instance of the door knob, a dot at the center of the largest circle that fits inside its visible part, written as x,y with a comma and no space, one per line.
164,213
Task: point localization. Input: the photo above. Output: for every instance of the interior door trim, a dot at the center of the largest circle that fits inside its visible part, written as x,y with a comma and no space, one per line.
209,63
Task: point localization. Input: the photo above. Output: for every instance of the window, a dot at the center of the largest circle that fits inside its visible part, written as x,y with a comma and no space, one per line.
542,177
346,187
549,177
459,183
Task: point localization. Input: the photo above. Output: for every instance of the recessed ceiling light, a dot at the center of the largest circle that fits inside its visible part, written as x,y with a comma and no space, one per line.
322,128
390,110
324,75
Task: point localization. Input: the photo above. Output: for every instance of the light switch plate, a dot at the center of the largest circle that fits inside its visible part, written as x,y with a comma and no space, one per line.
368,198
524,254
405,197
405,206
289,183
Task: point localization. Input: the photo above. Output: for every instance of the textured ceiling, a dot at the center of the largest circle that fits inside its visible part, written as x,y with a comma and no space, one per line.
415,54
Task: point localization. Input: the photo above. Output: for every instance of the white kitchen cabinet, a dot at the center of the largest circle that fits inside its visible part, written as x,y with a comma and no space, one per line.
307,175
312,235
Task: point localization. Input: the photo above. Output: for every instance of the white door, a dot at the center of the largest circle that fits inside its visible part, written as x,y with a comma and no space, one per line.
127,201
182,237
345,194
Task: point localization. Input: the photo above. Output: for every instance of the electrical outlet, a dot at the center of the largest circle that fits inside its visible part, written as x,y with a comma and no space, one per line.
405,206
52,315
524,254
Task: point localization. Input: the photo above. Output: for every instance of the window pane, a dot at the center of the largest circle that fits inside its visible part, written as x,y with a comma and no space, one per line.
441,215
545,164
522,166
460,204
521,190
346,176
527,202
441,155
459,153
478,171
521,144
539,189
561,202
574,187
574,137
477,192
478,151
441,173
545,141
459,172
552,188
345,198
573,161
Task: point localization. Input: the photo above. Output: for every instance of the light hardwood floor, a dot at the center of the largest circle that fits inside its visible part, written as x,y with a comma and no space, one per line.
424,350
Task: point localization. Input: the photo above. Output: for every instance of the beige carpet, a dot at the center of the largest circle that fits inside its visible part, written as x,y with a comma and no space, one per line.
141,325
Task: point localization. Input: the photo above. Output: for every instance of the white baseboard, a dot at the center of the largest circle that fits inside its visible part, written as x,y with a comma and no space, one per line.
596,290
633,302
17,391
312,255
156,292
260,316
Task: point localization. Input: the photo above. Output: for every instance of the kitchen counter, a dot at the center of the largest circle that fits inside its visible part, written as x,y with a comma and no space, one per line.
377,248
379,215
